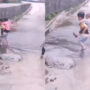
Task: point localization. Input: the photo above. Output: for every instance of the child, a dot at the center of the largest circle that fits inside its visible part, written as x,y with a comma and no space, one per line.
83,33
5,26
88,20
88,16
43,50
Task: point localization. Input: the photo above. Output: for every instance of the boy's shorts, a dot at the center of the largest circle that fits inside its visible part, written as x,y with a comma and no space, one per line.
83,39
7,31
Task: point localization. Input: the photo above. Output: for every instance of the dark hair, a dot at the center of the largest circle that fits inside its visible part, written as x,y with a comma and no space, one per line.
81,14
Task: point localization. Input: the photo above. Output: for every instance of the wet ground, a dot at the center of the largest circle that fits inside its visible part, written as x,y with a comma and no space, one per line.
29,35
63,38
61,43
30,30
76,78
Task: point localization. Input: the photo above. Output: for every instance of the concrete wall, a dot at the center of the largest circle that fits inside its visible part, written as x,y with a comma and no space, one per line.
35,0
1,1
59,5
14,1
9,1
12,10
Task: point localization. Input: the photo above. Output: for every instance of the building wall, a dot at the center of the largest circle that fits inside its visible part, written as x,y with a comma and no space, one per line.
53,6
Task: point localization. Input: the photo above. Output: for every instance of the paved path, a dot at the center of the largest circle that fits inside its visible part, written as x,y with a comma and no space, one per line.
29,73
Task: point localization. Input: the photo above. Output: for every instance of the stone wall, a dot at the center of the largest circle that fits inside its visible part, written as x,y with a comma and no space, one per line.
10,11
53,6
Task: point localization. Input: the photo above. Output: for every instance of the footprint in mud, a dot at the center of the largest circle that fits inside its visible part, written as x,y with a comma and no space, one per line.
4,69
48,80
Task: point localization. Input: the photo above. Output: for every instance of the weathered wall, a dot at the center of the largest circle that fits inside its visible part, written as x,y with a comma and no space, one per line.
13,10
0,1
59,5
35,0
13,1
9,1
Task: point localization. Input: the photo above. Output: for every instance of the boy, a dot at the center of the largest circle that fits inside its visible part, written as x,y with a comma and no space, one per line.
5,26
83,33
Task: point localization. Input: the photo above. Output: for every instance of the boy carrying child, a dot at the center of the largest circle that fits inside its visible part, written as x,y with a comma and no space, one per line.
83,33
5,26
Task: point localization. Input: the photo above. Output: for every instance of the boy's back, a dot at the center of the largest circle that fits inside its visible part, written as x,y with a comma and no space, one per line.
7,25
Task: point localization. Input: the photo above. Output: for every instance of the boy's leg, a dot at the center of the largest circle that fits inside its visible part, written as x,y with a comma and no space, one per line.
1,32
83,45
5,33
82,40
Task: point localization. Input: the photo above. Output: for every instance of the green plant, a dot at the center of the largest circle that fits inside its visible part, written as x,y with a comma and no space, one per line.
50,16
